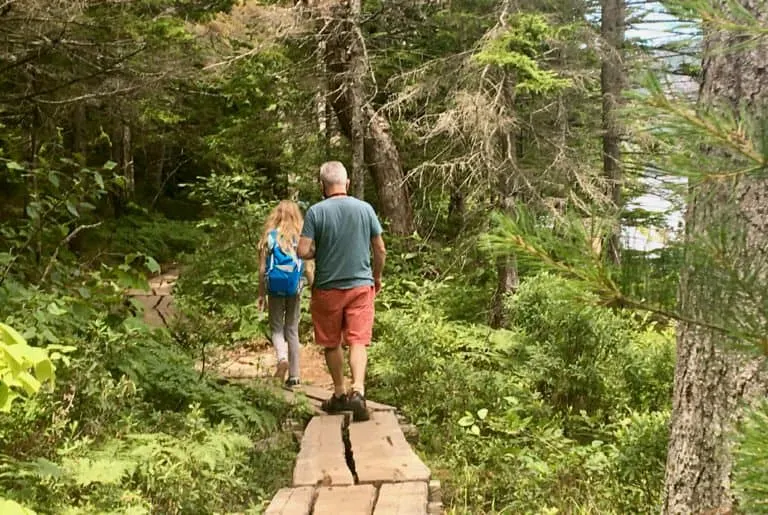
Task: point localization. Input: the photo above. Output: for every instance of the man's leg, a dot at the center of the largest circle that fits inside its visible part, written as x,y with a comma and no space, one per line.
358,313
334,358
327,312
358,361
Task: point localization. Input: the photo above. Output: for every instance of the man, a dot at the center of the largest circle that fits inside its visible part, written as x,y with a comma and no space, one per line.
338,234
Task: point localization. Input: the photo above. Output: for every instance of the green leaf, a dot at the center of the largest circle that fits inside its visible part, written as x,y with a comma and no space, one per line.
467,420
482,413
28,383
8,507
53,178
474,430
72,209
55,310
152,265
13,165
44,370
6,398
99,179
45,468
10,336
110,165
32,211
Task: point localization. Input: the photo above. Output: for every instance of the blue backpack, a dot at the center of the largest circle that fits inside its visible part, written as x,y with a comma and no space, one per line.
283,270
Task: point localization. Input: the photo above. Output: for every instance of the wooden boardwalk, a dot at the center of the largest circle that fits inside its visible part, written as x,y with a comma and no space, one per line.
356,468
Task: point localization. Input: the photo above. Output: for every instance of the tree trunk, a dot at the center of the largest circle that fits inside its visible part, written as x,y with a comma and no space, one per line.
612,84
156,171
122,154
713,383
355,86
508,280
509,146
380,150
79,129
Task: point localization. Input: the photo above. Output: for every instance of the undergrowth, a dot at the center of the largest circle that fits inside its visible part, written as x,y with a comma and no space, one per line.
130,424
565,411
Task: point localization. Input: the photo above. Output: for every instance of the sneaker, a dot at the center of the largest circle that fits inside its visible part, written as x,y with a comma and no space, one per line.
335,404
282,369
356,403
292,381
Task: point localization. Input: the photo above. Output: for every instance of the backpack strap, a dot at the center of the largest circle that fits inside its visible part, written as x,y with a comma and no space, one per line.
271,239
271,242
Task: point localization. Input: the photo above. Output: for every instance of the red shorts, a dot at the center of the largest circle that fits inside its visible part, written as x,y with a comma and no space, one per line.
347,313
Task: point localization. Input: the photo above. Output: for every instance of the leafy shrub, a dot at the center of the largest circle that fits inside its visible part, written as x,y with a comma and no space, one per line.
584,357
751,462
570,346
169,381
507,419
163,239
162,471
640,455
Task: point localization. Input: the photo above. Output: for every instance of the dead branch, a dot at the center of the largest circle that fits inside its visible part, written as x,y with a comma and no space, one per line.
63,242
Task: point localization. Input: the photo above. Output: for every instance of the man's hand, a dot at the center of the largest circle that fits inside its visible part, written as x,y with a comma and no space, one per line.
379,255
262,303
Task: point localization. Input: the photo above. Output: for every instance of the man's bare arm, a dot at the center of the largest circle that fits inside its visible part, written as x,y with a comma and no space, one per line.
379,256
306,248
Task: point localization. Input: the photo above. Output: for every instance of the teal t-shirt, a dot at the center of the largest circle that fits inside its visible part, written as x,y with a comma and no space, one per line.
342,228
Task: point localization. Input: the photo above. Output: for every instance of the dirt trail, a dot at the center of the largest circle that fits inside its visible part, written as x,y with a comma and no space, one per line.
255,359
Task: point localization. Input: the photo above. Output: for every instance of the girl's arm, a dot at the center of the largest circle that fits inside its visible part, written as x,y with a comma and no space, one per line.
262,273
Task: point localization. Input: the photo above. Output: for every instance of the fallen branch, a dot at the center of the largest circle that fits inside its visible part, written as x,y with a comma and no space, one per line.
63,242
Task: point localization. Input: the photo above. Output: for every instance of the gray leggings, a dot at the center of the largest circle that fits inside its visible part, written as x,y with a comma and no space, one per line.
284,315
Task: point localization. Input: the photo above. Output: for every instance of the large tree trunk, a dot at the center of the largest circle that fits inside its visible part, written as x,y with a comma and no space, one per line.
355,86
380,150
713,383
612,83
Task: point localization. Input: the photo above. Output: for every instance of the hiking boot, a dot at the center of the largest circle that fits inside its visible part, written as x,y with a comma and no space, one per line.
335,404
292,381
356,403
282,369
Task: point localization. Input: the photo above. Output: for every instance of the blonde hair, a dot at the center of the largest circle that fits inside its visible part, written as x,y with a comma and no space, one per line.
286,218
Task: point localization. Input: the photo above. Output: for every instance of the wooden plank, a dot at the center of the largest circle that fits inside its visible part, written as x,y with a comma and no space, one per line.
381,452
292,501
402,499
321,460
321,394
357,500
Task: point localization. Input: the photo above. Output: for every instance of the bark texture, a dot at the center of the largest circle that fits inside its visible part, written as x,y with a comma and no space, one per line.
712,384
508,280
355,86
612,85
380,151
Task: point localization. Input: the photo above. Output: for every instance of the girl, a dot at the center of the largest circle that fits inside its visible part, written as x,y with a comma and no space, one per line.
282,229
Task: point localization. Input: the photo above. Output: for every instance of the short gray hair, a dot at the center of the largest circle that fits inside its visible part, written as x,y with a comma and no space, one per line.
333,173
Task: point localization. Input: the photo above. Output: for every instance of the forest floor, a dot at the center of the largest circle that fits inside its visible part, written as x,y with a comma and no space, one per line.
257,359
251,360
